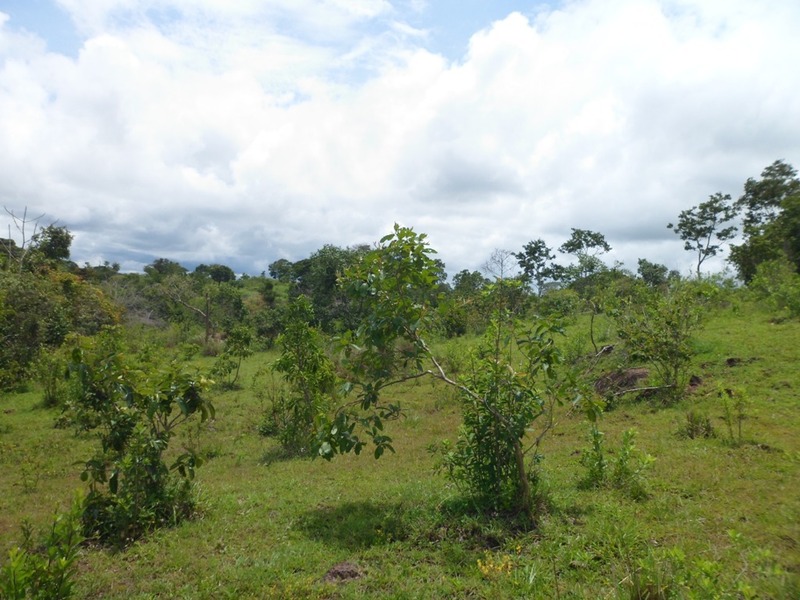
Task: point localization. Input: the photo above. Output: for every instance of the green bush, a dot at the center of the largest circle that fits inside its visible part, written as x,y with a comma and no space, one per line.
510,386
657,329
777,282
626,472
44,569
131,487
238,346
564,303
297,408
51,371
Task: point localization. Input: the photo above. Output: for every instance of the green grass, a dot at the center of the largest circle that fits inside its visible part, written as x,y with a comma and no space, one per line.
720,514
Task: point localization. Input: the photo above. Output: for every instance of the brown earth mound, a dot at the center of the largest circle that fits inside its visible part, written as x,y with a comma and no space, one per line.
344,571
620,381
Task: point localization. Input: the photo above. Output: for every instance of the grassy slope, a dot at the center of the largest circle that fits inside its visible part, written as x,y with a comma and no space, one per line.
273,527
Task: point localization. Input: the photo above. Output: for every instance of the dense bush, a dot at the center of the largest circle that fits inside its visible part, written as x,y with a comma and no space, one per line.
39,311
777,282
132,489
656,329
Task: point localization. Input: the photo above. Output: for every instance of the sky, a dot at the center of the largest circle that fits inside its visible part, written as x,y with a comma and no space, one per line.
244,131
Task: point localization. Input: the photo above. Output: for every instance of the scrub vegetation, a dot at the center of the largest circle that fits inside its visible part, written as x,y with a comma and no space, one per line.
353,425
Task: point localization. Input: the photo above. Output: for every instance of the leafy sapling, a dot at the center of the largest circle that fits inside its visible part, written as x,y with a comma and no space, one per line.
512,384
625,472
735,404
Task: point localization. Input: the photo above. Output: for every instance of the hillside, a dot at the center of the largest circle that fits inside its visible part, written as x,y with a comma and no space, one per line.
721,516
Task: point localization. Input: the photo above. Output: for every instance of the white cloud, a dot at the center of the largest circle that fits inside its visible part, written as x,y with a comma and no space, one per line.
226,131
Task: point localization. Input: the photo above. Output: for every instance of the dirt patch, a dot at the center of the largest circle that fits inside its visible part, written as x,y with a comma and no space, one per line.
620,381
345,571
735,361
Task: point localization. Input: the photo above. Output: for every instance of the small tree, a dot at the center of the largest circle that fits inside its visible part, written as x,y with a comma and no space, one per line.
461,309
586,246
17,254
238,346
310,375
132,489
216,272
653,274
282,270
534,260
657,328
701,227
397,284
164,267
771,207
468,284
509,393
500,264
53,243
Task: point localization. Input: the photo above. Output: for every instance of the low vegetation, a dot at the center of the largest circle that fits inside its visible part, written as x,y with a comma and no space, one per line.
353,426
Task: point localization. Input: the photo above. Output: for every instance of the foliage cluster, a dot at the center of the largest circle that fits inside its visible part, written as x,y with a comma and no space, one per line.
296,412
771,222
657,328
778,283
626,472
132,488
39,311
45,569
511,384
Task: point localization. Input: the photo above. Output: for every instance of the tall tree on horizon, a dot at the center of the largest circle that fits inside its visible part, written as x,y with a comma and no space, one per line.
702,227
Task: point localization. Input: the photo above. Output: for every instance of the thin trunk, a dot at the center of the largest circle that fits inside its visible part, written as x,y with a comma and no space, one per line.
524,489
208,317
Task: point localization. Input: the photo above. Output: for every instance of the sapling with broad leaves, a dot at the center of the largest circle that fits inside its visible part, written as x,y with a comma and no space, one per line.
509,396
513,382
310,378
132,488
657,327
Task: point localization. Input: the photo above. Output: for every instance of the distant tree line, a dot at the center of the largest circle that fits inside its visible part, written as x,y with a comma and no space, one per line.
45,296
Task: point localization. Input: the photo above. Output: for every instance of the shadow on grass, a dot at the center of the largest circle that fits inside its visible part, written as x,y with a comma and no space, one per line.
359,525
355,525
277,454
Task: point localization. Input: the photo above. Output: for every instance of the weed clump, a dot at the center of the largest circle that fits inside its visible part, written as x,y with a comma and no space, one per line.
698,425
626,472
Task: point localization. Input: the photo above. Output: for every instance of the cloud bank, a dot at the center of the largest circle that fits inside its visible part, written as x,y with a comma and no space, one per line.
243,132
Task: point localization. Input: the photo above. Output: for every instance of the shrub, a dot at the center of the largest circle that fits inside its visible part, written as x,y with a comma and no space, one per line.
51,370
44,569
625,472
778,282
238,346
564,303
309,374
697,425
657,329
734,406
511,385
131,488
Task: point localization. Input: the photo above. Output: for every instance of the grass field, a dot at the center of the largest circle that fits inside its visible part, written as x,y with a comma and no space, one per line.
721,519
